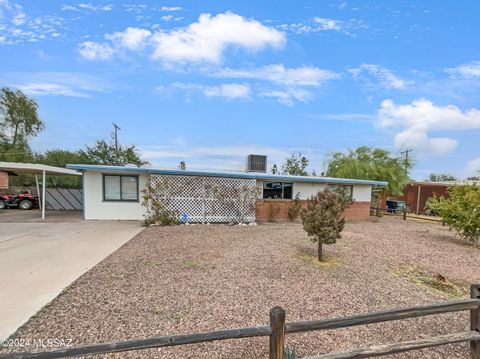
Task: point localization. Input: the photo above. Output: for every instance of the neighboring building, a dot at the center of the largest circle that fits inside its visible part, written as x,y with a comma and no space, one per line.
417,193
112,192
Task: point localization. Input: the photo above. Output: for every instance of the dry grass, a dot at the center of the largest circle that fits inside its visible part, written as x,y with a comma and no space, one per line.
173,280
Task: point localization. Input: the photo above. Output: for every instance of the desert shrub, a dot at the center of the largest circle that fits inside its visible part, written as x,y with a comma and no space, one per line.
323,218
461,211
156,212
294,211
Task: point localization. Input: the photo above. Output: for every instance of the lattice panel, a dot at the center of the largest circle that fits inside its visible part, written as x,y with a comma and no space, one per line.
207,199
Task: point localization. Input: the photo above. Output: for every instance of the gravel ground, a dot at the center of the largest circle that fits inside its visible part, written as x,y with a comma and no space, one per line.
174,280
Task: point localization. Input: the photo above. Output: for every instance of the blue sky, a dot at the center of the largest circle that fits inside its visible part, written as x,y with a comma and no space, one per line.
210,82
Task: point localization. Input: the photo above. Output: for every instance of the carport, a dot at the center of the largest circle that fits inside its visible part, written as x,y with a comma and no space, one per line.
37,169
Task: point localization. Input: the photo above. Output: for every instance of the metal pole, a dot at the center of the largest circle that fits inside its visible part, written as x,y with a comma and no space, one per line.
38,192
43,194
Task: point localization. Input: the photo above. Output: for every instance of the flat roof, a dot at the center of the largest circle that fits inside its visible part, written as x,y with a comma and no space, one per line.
224,174
36,168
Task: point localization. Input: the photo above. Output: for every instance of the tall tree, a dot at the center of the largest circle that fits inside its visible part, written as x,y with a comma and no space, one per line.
370,164
102,153
20,119
295,165
441,177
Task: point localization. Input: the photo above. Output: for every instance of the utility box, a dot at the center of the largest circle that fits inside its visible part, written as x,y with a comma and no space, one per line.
257,163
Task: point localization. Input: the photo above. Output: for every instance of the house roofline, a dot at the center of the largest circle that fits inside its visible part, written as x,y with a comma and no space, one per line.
244,175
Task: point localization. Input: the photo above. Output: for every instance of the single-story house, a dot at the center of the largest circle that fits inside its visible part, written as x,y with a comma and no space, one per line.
115,192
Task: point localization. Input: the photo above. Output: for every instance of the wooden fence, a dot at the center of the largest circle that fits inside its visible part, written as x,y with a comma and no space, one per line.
278,329
406,214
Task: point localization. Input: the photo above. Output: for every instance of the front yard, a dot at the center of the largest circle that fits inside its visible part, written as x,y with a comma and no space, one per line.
183,279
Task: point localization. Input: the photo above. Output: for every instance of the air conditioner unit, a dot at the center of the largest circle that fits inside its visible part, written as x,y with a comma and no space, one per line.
257,163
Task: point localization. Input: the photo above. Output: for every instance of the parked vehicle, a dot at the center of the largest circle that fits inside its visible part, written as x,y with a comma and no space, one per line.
24,200
394,206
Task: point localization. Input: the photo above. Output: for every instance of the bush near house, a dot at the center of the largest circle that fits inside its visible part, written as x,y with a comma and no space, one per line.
323,218
461,211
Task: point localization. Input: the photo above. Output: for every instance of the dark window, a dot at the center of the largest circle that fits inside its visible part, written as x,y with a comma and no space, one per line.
348,190
279,190
120,188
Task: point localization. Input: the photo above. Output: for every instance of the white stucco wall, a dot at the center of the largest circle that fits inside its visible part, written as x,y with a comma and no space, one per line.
96,208
361,193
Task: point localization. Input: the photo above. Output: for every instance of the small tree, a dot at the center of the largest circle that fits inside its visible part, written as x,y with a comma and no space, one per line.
461,211
295,165
182,166
441,177
323,219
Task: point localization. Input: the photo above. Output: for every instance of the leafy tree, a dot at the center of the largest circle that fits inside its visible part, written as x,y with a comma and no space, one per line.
323,218
295,165
60,158
182,165
441,177
370,164
461,211
20,119
102,153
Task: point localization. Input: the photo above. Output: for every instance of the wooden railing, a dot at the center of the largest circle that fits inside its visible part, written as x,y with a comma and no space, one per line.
278,329
375,211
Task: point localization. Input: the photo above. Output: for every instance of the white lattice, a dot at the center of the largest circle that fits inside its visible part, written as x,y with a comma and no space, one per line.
207,199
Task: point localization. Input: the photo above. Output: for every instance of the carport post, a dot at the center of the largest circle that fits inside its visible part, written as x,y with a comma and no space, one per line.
43,194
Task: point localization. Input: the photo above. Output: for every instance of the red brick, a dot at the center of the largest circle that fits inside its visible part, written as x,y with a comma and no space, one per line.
3,179
277,209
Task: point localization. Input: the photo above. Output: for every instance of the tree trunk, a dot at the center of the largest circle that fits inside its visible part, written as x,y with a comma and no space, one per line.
320,252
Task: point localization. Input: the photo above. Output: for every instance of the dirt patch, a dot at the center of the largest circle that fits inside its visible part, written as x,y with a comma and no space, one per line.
186,279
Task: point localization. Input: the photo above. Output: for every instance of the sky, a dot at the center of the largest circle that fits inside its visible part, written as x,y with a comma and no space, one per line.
209,82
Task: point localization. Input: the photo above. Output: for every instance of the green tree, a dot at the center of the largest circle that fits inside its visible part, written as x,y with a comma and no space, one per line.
102,153
60,158
20,119
441,177
295,165
323,219
370,164
461,211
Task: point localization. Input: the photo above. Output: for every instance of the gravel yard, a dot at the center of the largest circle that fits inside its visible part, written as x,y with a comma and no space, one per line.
174,280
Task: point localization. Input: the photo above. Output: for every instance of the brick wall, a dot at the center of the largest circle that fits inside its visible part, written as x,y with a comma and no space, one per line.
277,209
3,179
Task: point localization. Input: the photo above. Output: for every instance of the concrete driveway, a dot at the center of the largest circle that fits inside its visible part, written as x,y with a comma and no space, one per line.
39,259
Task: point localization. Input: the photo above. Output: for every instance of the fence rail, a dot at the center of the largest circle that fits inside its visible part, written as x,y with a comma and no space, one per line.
405,214
278,329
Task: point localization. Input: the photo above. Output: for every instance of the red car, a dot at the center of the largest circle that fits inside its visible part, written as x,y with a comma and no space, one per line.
23,200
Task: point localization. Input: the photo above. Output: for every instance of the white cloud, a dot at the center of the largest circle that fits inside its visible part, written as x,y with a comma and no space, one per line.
471,70
289,96
90,50
327,24
56,83
91,7
229,91
204,41
19,17
277,73
46,88
131,38
207,39
421,117
385,77
170,8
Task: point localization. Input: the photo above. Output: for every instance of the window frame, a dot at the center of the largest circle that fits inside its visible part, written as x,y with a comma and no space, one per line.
120,177
283,190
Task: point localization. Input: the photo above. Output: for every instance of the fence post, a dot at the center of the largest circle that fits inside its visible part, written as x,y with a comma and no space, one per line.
475,322
277,337
404,214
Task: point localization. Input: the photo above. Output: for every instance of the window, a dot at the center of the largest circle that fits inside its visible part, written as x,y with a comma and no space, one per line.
279,190
339,188
120,188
